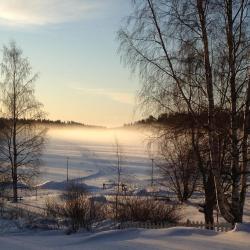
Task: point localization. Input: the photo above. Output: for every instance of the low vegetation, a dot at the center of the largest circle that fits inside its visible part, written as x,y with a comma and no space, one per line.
142,209
79,210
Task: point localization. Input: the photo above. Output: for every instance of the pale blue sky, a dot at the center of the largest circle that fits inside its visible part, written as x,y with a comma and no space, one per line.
72,43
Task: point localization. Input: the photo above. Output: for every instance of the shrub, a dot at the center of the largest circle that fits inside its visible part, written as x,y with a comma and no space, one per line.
2,205
146,209
78,211
74,206
53,208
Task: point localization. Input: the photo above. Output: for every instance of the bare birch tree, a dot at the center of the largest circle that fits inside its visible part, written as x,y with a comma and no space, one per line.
22,139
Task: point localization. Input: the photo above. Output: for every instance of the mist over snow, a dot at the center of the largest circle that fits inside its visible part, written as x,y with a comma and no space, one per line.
91,155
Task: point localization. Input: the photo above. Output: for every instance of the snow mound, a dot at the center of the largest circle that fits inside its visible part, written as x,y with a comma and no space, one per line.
113,235
62,185
147,234
242,227
188,231
136,239
104,225
10,226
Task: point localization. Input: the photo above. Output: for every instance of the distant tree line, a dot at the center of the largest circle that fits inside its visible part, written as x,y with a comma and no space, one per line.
185,119
49,122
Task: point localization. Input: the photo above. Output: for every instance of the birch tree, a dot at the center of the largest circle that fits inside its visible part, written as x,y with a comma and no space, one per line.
162,40
22,139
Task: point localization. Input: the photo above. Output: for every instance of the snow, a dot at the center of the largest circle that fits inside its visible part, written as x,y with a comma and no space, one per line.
61,185
8,226
92,156
168,239
239,227
92,162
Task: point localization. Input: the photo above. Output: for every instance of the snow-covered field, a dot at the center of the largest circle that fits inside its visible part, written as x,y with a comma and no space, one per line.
92,161
178,238
92,156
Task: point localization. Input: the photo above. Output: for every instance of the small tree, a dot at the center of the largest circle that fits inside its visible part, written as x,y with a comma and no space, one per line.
118,154
75,205
178,165
22,139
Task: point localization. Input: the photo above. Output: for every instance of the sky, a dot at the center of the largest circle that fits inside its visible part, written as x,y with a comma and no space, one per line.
73,45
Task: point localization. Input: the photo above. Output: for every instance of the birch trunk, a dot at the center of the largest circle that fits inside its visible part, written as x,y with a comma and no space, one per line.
213,138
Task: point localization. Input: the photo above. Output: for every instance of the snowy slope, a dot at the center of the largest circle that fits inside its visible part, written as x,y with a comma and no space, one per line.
178,238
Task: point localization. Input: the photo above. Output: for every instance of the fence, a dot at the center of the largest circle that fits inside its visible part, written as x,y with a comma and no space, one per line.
22,209
218,227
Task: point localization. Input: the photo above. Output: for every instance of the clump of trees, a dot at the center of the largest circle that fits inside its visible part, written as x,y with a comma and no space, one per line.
193,57
21,142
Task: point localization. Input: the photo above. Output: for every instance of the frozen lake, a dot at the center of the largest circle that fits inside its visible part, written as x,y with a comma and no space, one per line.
92,157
